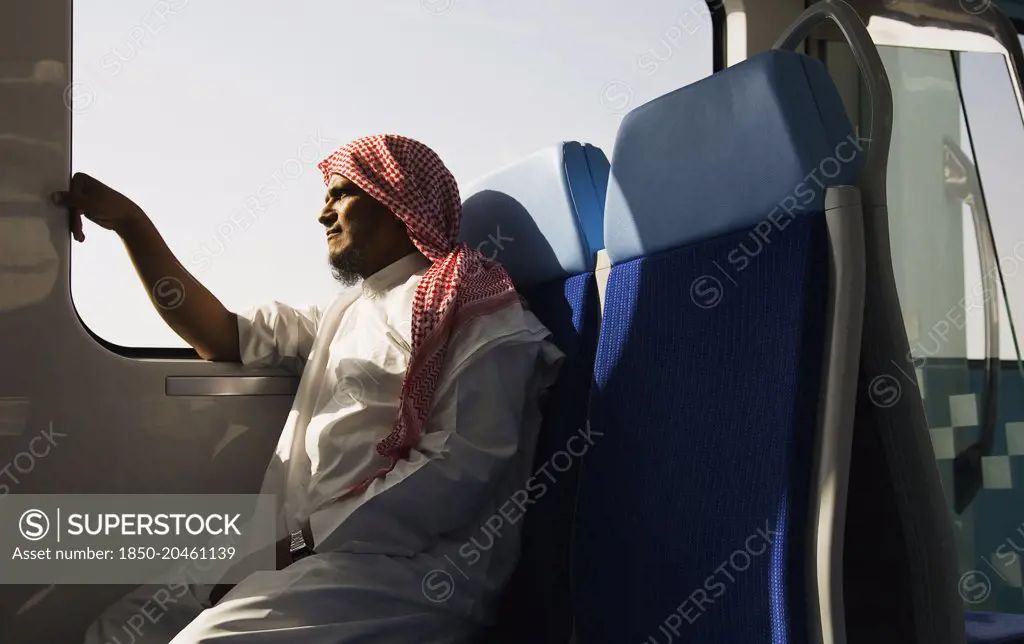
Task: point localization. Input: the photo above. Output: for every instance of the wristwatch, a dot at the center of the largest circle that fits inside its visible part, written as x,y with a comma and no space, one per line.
298,548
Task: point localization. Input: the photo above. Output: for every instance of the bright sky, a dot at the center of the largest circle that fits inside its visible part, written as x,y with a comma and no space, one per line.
196,109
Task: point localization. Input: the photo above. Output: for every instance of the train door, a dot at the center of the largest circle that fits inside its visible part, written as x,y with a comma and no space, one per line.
957,247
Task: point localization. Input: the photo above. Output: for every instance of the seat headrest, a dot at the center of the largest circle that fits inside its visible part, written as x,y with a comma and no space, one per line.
756,142
541,217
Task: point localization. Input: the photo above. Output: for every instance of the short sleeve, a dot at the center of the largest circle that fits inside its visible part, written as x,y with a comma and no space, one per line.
276,334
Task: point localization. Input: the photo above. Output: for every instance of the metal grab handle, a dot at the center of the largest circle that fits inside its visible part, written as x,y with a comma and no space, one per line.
961,180
875,80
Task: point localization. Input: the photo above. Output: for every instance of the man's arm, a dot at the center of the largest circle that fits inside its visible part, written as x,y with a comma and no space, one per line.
476,431
184,304
192,311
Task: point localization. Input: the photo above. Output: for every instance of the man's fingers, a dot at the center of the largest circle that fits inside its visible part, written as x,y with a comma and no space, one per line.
76,226
67,200
82,183
73,200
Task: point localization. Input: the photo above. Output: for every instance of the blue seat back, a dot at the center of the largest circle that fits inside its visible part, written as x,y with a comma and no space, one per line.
542,219
693,510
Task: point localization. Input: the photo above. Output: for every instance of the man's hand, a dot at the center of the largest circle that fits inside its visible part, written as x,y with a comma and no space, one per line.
99,203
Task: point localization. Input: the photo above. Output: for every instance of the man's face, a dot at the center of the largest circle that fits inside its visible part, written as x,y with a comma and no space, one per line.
362,234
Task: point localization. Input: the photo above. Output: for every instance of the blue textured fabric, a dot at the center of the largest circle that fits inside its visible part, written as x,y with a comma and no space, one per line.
994,628
692,506
540,217
537,604
756,141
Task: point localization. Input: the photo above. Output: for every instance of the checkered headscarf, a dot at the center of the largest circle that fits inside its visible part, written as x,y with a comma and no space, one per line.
412,181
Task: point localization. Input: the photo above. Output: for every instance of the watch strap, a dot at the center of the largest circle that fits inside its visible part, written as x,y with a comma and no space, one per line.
298,547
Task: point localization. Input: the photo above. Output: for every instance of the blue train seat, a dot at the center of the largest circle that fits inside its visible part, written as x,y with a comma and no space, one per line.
541,217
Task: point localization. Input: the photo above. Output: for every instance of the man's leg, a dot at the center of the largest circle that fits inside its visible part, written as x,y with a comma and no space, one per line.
155,613
331,599
150,614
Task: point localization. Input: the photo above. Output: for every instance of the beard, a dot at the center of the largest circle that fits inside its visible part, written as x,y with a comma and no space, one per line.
347,266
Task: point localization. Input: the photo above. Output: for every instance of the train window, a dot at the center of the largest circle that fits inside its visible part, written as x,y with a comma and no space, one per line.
989,532
997,136
930,251
957,130
212,117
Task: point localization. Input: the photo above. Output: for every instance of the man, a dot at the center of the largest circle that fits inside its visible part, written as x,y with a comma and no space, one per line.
414,422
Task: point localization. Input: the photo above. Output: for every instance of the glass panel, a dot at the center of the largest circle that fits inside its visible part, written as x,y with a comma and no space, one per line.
997,137
933,200
930,253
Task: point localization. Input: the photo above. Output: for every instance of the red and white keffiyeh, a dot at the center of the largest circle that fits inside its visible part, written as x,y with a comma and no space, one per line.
411,180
